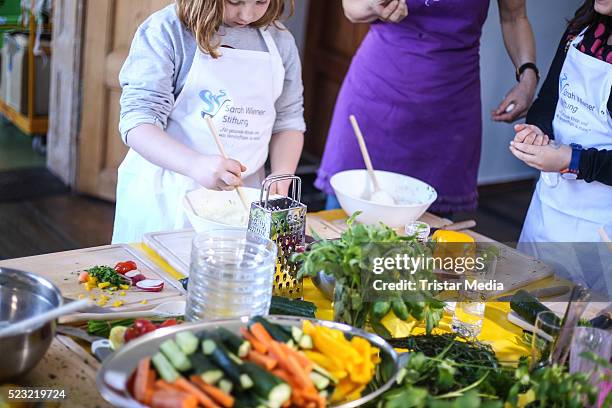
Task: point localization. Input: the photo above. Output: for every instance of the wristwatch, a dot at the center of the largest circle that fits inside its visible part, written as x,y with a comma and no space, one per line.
526,66
571,173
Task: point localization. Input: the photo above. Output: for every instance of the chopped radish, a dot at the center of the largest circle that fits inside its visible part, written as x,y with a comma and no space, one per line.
135,276
83,277
150,285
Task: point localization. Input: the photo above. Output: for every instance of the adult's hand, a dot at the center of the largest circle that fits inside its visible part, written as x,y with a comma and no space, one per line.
549,158
518,101
392,11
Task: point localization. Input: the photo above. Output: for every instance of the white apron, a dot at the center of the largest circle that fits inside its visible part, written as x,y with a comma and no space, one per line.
573,210
239,91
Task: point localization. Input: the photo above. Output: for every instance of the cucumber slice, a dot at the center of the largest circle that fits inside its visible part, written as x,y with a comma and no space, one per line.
174,354
164,368
320,381
205,369
187,341
225,385
306,342
233,342
221,358
275,331
269,387
296,333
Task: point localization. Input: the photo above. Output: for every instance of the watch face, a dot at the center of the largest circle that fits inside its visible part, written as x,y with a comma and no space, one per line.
569,176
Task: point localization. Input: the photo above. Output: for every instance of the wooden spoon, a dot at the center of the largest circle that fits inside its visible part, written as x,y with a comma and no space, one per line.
379,195
213,130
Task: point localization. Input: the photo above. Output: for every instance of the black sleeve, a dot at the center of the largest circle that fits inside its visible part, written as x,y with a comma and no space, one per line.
596,165
542,111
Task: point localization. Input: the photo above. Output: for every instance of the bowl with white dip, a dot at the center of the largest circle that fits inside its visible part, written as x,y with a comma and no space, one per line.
410,197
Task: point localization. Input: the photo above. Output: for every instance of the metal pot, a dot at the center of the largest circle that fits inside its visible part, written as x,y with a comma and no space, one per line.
22,295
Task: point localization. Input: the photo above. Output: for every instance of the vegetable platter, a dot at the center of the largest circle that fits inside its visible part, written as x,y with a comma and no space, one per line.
260,362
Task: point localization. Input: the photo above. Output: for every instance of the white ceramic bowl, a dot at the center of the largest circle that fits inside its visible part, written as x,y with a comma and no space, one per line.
209,209
413,197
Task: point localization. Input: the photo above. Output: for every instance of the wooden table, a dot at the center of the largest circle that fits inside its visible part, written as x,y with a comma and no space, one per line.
70,366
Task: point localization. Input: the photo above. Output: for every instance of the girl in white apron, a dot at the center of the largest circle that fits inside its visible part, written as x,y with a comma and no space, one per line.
238,88
566,211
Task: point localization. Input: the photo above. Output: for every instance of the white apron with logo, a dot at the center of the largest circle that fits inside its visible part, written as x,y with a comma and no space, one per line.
573,210
239,91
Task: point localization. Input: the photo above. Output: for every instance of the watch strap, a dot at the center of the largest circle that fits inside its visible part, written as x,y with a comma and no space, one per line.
526,66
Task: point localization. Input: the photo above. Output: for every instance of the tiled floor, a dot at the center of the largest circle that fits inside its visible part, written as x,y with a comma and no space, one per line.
39,215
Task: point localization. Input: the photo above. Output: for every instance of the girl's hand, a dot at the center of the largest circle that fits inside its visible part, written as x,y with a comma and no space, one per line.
521,96
550,158
530,134
217,173
392,11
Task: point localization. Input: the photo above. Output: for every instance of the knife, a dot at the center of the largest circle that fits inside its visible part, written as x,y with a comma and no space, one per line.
540,293
100,347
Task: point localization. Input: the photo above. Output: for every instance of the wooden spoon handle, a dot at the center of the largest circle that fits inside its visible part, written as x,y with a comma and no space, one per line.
213,130
364,152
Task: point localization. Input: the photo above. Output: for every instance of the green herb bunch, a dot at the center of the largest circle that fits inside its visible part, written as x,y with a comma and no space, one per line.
347,260
106,274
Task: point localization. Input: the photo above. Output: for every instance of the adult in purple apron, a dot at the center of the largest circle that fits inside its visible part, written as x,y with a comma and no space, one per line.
414,87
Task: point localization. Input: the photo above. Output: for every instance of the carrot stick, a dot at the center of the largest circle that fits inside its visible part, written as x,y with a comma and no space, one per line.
283,375
164,386
150,386
174,399
301,358
257,345
262,360
191,389
142,378
261,333
226,400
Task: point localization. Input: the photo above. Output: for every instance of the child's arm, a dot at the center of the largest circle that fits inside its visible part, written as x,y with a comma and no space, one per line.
285,150
210,171
550,158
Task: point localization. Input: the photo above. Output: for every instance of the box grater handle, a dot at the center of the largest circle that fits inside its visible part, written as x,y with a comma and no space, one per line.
296,187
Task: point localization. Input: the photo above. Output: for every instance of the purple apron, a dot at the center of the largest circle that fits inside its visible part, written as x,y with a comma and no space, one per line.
415,90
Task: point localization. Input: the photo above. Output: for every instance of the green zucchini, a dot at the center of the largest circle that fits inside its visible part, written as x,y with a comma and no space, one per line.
399,309
164,368
187,341
174,354
203,367
248,400
274,391
221,358
285,306
528,307
233,342
274,330
225,385
320,381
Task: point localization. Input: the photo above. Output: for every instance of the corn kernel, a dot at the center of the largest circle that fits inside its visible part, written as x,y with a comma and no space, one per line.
118,303
103,285
124,287
144,302
122,294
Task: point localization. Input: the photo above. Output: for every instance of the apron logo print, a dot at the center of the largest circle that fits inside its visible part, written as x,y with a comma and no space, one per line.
563,84
213,103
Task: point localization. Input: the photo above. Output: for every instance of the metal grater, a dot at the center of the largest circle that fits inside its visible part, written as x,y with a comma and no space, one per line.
283,220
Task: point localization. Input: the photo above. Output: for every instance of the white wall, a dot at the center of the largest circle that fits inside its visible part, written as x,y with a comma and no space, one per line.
548,19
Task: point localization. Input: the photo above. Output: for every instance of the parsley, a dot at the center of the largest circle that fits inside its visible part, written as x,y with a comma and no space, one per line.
106,274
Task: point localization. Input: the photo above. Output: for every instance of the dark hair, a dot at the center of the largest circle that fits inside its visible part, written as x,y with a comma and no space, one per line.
586,16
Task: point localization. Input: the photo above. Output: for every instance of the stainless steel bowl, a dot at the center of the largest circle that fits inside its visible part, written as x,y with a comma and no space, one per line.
24,295
113,376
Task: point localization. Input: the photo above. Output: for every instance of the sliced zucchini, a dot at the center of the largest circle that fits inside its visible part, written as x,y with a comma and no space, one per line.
225,385
296,333
274,391
187,341
306,342
164,368
234,343
221,358
275,331
320,381
174,354
203,367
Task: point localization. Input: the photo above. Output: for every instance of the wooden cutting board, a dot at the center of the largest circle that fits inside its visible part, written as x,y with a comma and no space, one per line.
63,269
514,269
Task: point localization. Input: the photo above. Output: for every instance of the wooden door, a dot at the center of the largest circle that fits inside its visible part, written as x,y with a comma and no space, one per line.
109,28
331,43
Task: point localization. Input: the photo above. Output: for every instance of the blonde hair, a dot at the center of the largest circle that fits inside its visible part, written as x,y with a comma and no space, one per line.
204,17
